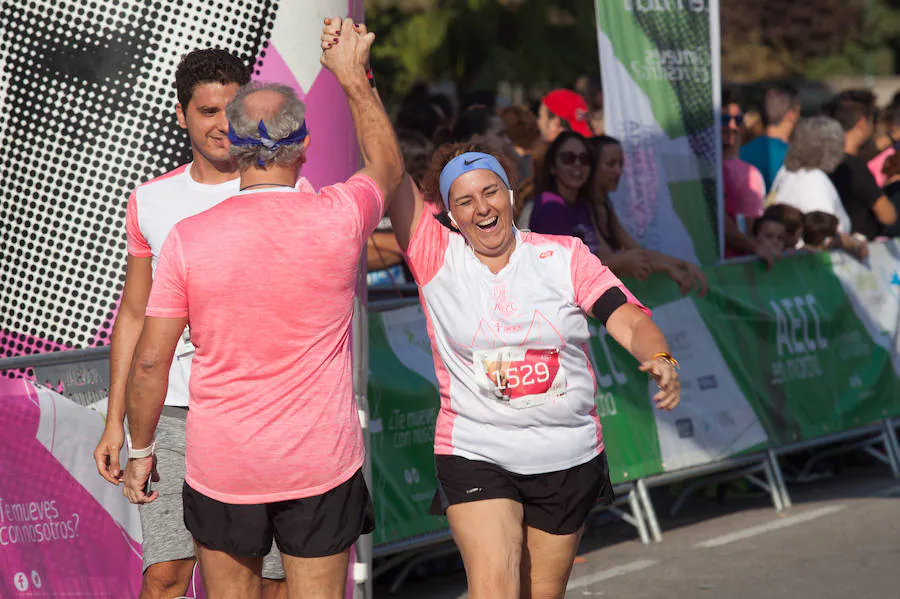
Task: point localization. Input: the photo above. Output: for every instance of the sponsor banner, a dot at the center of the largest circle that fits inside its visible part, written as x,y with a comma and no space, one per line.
64,531
794,341
659,62
874,291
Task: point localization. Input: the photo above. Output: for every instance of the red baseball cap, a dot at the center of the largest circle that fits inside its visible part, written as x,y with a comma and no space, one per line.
570,107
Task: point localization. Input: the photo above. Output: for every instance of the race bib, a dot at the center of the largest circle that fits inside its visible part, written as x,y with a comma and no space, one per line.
521,377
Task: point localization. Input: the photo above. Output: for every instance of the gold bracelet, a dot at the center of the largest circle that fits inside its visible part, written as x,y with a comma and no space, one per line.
667,357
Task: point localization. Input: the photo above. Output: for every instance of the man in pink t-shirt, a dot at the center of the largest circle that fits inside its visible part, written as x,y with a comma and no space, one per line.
743,183
267,280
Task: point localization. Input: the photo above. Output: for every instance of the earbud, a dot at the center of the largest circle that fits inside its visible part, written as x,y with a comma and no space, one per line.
512,198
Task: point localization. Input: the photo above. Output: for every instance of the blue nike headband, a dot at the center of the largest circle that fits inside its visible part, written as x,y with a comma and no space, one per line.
464,163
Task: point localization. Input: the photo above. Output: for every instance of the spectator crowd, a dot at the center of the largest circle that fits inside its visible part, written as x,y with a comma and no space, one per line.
829,180
821,182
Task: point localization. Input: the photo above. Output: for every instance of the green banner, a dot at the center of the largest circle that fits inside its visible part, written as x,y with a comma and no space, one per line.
768,358
403,407
659,62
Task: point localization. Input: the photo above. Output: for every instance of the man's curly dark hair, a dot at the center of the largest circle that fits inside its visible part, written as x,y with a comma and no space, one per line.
210,65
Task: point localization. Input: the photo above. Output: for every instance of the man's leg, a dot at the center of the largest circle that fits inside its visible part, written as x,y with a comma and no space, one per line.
168,548
316,577
274,589
315,535
165,580
228,576
230,541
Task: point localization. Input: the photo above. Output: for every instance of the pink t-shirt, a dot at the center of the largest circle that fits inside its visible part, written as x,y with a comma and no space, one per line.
511,349
745,189
876,164
267,280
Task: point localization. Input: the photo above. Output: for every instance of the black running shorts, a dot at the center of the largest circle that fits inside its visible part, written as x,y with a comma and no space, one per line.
555,502
318,526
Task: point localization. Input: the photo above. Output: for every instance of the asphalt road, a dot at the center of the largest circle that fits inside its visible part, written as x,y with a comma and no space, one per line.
840,540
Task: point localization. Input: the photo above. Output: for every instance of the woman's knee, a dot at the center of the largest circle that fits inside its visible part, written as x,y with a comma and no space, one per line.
534,589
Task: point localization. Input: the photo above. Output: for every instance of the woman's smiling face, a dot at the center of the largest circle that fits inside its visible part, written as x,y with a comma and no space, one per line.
479,203
572,164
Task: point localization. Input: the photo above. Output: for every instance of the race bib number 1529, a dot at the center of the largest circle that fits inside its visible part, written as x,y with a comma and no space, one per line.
523,377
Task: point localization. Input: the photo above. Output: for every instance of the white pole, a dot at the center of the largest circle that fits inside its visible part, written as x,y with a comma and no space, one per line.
361,569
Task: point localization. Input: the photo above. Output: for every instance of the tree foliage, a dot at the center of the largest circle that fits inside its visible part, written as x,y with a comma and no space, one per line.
543,43
783,38
478,43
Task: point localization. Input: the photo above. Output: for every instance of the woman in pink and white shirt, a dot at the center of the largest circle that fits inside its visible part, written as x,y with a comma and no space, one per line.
518,446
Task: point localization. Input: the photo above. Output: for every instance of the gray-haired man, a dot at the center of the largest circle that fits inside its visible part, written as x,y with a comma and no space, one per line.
206,80
267,280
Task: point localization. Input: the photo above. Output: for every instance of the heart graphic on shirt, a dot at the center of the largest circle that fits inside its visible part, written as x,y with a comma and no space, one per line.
532,375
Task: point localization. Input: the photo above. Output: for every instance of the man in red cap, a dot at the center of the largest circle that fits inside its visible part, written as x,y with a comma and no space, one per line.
560,110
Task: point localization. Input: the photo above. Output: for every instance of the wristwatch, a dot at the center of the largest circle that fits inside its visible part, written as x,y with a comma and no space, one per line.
134,454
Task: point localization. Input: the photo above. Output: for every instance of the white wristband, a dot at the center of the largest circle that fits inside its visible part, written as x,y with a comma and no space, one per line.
141,453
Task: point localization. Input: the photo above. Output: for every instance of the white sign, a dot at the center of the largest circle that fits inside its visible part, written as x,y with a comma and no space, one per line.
714,419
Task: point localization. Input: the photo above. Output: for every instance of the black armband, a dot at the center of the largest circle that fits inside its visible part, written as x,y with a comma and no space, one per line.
608,303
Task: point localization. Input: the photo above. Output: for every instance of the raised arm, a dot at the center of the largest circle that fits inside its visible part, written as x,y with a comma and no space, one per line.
406,208
345,52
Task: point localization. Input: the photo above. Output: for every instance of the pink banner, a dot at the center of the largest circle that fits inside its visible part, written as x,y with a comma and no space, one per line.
63,530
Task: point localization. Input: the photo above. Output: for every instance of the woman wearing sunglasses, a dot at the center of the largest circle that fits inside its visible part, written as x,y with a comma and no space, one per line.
562,194
572,199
